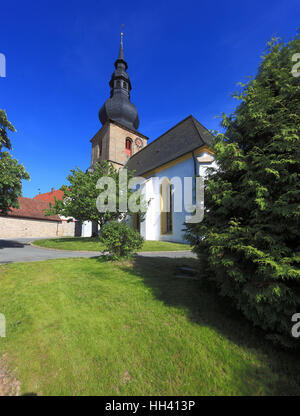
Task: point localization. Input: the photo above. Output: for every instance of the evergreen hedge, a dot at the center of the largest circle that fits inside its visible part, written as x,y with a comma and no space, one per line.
249,240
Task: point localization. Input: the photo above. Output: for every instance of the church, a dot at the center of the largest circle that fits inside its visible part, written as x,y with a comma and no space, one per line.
184,151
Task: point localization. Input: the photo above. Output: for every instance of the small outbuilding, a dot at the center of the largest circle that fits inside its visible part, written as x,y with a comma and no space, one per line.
30,220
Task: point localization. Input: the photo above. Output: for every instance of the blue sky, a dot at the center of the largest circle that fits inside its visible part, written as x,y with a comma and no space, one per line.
184,57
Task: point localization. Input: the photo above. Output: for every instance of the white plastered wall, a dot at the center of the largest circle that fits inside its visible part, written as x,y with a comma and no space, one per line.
185,171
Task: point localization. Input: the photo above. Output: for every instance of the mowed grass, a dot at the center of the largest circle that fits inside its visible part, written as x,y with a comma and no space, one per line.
93,244
94,327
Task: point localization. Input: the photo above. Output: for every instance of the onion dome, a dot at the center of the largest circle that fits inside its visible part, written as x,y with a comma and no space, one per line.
119,107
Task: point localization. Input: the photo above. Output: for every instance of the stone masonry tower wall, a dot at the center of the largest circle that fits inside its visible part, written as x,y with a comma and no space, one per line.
110,144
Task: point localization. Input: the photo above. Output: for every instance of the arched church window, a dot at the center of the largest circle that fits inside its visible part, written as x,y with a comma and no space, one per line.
125,85
166,207
118,83
128,146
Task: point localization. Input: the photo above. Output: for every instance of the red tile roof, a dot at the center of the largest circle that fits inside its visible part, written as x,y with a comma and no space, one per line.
32,208
49,196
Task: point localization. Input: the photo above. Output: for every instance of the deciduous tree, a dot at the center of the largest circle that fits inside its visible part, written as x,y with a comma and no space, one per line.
11,171
80,196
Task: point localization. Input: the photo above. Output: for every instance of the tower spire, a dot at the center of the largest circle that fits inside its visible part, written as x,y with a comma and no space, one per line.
119,107
121,51
121,61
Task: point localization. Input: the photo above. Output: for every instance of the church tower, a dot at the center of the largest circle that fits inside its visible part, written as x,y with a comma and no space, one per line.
118,138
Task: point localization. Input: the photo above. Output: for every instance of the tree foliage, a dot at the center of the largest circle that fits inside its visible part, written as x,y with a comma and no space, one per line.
120,240
11,171
81,194
249,241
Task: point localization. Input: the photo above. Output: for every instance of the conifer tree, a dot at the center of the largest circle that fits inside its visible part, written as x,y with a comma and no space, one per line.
249,240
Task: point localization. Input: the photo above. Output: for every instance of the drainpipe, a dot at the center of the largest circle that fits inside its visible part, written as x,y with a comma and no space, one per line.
195,171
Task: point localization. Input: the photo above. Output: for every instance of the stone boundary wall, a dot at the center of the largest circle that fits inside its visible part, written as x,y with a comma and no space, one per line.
13,227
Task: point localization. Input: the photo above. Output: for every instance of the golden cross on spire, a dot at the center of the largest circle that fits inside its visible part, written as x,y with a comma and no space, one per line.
122,25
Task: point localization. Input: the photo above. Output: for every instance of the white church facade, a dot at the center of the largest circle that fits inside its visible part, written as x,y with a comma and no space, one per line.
180,155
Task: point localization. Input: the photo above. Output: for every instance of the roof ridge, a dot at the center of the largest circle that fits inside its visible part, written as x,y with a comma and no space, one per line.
198,122
25,197
197,130
159,137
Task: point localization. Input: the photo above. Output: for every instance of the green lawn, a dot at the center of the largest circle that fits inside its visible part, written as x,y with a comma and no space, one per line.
93,244
93,327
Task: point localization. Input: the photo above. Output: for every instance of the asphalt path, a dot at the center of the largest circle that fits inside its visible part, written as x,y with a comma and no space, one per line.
20,250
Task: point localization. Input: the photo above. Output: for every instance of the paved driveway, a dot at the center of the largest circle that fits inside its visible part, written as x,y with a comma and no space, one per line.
19,249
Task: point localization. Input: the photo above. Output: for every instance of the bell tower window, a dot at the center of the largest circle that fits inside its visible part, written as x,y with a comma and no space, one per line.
128,146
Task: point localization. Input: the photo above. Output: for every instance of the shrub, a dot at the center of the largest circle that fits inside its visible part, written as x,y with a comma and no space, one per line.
120,240
249,240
